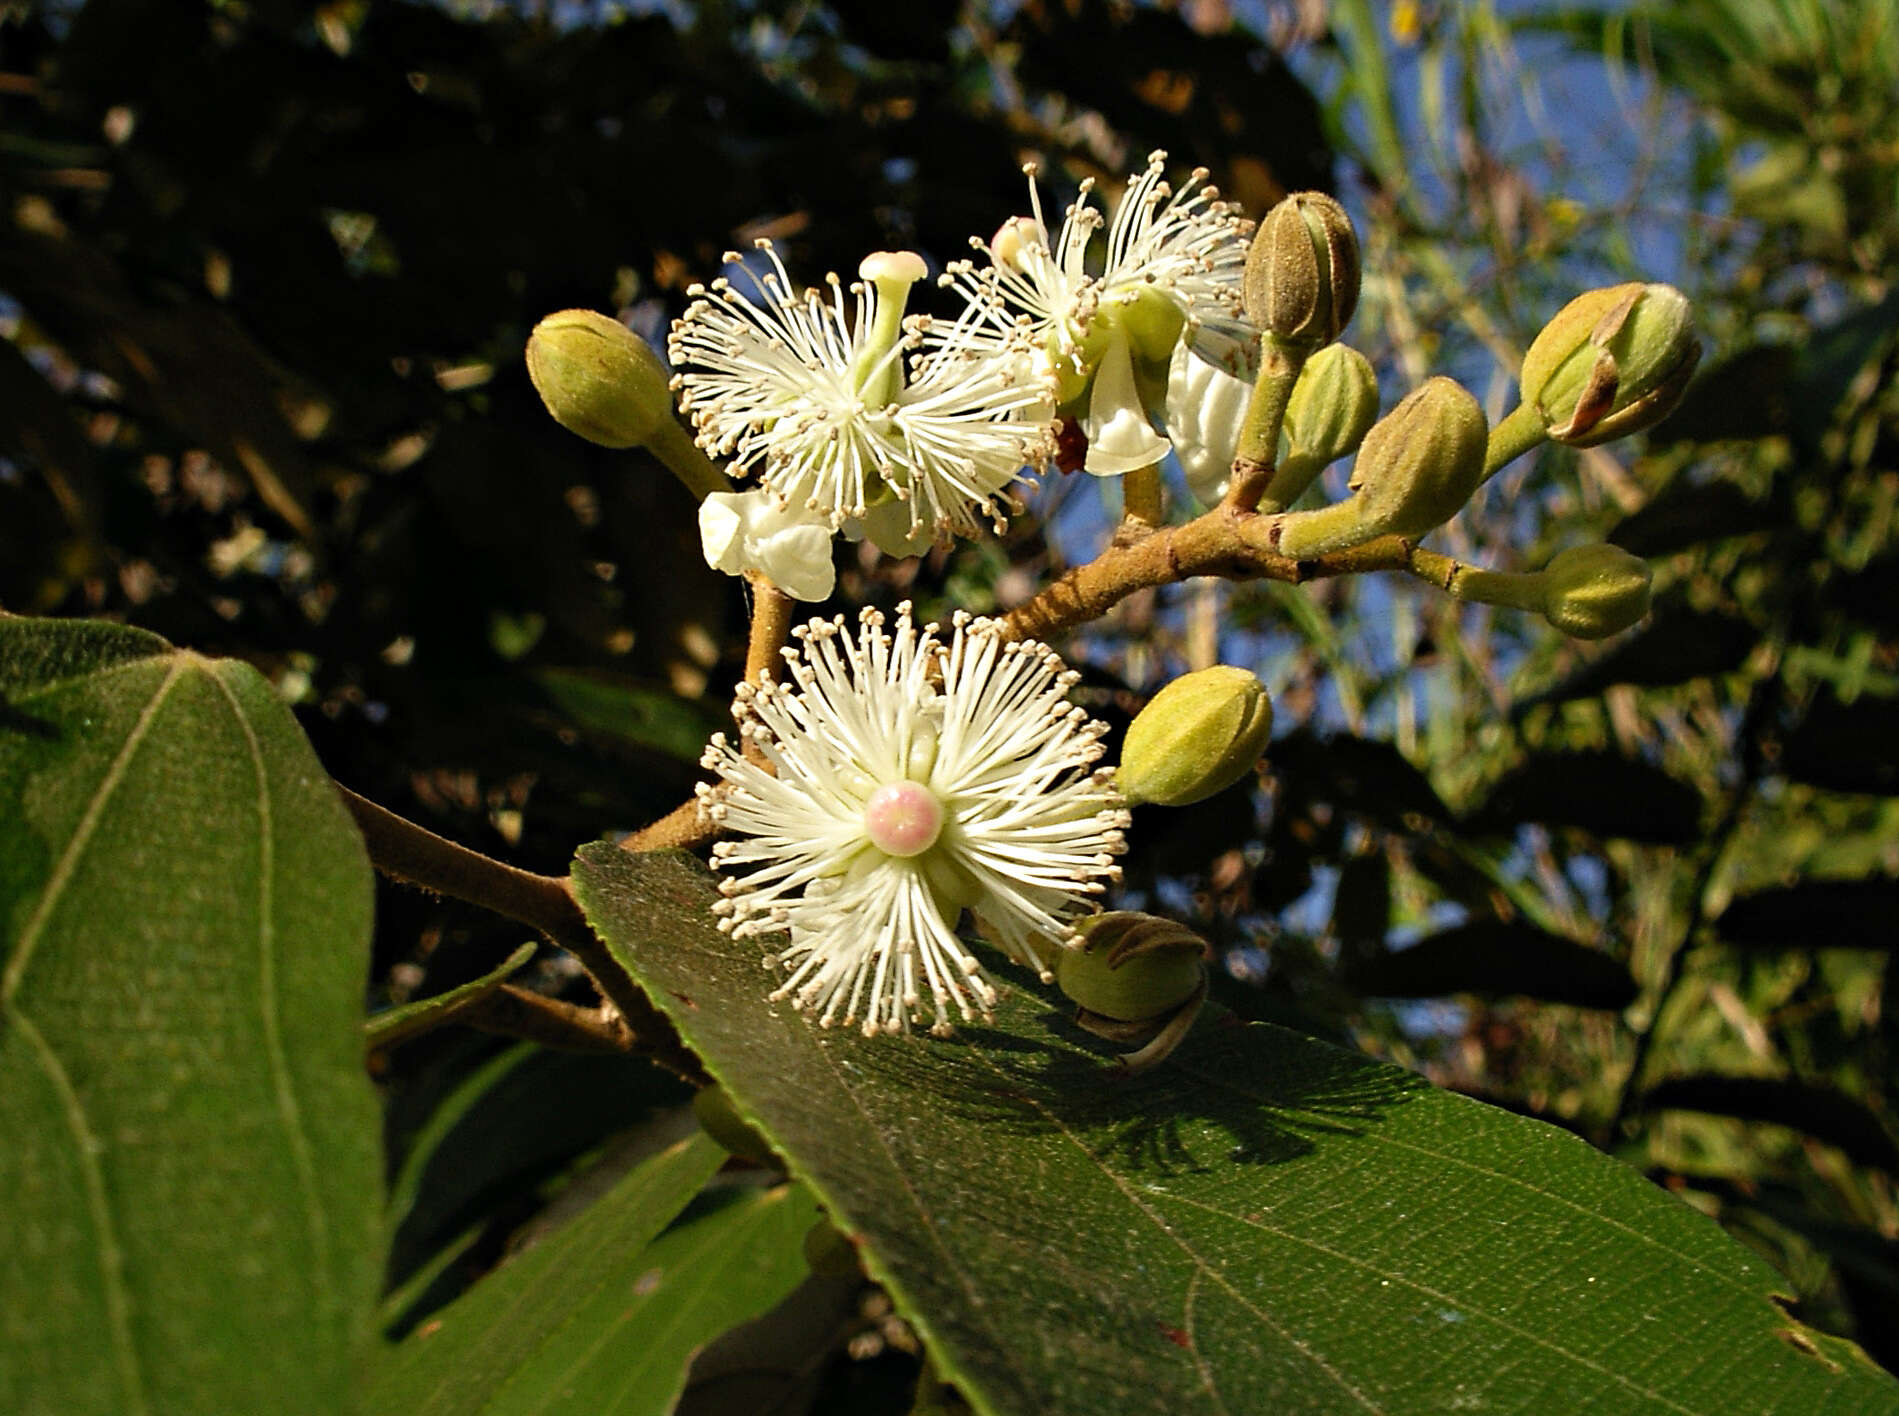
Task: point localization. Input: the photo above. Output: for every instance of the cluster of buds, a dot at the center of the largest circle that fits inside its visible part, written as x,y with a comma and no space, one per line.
1170,327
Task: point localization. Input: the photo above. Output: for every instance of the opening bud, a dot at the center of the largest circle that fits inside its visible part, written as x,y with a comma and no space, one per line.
1416,468
1301,282
1591,592
1197,736
1613,362
598,378
1132,968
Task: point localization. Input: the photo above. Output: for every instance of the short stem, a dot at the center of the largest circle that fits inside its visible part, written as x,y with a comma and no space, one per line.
552,1022
771,626
1516,590
1522,428
405,851
674,446
1289,482
1141,503
1258,446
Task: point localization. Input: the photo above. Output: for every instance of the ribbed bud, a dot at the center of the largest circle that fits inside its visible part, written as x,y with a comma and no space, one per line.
1333,405
1591,592
1416,468
1301,282
1132,968
1197,736
598,378
1613,362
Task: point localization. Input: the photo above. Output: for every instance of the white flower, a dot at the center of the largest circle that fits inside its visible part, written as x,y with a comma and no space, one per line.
814,395
909,779
1172,268
1208,389
743,531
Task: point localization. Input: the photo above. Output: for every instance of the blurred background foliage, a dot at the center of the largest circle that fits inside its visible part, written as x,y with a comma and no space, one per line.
266,270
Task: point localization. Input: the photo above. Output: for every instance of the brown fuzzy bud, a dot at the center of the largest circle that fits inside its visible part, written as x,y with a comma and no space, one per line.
1302,272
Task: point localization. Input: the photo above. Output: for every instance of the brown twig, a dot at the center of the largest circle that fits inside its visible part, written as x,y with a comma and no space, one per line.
1224,542
771,626
405,851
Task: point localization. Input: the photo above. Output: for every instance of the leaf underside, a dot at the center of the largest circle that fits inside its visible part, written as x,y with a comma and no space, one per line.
190,1160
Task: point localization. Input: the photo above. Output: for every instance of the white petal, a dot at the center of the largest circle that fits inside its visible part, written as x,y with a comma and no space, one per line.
1205,407
741,531
1120,439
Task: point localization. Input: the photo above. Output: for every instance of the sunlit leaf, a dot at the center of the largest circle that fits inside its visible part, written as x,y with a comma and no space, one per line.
1264,1223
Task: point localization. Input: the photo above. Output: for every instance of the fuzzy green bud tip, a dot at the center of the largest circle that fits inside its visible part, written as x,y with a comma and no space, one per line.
1197,736
1333,405
1591,592
1613,362
1132,967
1416,468
598,378
720,1120
1302,272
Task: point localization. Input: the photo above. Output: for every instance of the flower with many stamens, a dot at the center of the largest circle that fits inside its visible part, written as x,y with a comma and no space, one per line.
902,778
1172,269
834,402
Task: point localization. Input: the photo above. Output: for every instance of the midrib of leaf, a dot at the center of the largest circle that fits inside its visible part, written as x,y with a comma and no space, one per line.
288,1110
111,1261
82,835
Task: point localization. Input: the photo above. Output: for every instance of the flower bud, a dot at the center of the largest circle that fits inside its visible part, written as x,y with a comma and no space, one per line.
1331,409
598,378
1301,282
1197,736
1591,592
1613,362
1132,968
1416,468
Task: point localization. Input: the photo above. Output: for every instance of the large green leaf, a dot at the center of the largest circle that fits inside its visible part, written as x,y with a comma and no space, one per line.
189,1166
1264,1223
597,1318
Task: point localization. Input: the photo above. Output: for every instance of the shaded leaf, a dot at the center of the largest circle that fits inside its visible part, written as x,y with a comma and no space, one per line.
1871,593
1677,645
1814,914
1360,775
392,1025
1603,793
1690,514
597,1317
190,1164
613,706
1497,957
1845,747
1823,1112
495,1138
1250,1227
1747,395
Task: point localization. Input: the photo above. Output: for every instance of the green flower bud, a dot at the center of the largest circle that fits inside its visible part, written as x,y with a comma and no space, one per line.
1613,362
1197,736
1416,468
1301,282
1591,592
1132,968
598,378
